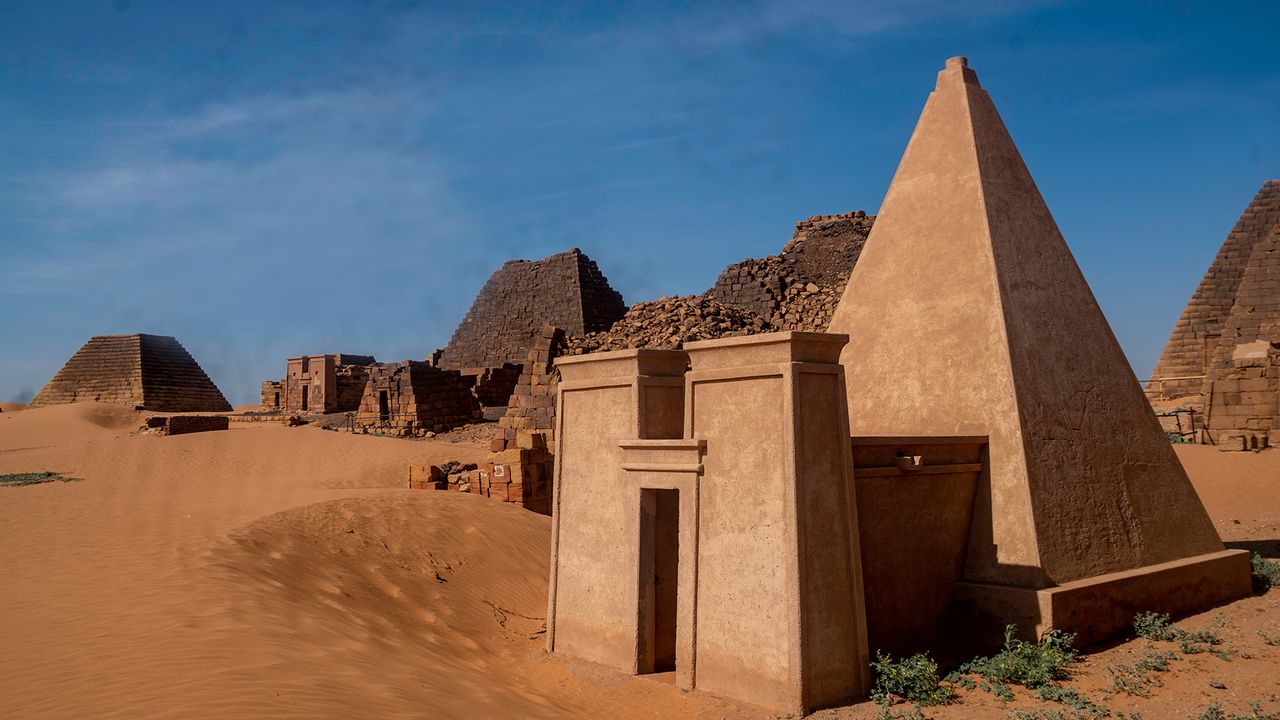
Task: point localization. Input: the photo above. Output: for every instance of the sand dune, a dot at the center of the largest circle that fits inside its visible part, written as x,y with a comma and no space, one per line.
283,572
266,571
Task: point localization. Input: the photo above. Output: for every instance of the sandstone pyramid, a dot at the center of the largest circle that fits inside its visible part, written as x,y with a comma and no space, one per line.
1194,342
1213,357
566,290
153,372
969,316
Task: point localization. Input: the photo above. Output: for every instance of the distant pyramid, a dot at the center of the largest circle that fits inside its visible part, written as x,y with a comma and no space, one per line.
1236,304
153,372
969,316
566,290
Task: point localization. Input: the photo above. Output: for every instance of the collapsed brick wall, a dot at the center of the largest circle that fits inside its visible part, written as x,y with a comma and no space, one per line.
799,288
1193,346
533,401
493,387
566,290
412,398
150,371
272,394
184,424
350,380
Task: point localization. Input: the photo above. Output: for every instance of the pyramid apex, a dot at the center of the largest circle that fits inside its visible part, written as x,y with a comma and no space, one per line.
957,70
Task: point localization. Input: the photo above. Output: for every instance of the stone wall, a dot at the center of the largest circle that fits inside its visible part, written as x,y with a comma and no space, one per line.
533,402
1193,345
412,398
150,371
493,387
334,383
272,394
184,424
566,290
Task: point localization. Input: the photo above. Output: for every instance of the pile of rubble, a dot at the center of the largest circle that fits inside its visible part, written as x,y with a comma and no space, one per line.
798,289
670,322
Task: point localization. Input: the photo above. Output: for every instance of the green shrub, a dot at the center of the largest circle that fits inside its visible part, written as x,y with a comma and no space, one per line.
914,679
1153,626
1266,573
1072,699
1157,626
1022,663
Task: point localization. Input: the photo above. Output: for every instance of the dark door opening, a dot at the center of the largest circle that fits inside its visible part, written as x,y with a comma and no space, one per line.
384,406
659,578
305,398
277,399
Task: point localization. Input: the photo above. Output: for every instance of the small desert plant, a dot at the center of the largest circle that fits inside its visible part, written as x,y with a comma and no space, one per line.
1022,663
1215,712
1056,714
1266,573
1157,626
1153,626
1136,679
1072,699
1269,638
914,679
33,478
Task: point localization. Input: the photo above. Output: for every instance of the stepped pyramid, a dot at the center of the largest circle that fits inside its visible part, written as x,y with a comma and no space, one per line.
1193,345
153,372
566,290
969,316
1236,304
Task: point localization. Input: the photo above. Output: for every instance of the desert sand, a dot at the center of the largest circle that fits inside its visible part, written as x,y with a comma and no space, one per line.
285,572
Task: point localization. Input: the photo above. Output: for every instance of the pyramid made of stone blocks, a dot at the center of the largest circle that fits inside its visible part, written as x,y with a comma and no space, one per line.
153,372
1201,331
566,290
969,316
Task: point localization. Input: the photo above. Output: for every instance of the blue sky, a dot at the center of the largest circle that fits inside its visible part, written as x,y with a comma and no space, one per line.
270,179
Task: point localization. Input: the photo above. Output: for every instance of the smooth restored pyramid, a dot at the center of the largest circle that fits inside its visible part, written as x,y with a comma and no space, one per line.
969,316
153,372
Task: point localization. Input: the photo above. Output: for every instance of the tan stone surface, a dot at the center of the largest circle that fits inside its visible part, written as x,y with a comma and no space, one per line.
760,510
1004,339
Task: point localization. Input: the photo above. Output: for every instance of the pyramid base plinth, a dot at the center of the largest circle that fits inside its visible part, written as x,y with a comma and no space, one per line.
1103,607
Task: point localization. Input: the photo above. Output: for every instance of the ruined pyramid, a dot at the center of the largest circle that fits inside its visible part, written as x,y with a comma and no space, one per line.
566,290
153,372
1214,353
969,316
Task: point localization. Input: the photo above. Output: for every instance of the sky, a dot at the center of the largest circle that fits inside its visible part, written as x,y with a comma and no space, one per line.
266,179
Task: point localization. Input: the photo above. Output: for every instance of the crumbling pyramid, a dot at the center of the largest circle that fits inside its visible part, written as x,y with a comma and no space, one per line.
153,372
566,290
1222,347
969,316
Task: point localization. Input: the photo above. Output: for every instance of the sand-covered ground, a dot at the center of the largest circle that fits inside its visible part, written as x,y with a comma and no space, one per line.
285,572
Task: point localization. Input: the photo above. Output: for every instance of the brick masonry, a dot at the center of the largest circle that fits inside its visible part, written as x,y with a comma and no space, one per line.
1193,345
1230,333
412,397
184,424
566,290
153,372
